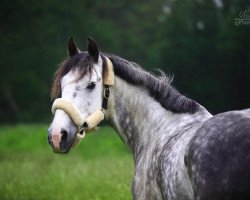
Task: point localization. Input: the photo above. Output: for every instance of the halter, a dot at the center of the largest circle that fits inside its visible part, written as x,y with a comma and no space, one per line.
96,117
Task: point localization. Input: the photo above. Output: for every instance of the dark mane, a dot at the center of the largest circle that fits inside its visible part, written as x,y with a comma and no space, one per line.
159,87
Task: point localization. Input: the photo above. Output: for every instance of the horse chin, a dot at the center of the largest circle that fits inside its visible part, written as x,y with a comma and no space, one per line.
64,149
61,151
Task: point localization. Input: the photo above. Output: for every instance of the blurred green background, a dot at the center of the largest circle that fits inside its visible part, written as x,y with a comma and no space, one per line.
197,41
100,168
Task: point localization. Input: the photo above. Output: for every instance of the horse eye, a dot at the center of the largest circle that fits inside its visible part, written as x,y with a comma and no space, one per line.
91,86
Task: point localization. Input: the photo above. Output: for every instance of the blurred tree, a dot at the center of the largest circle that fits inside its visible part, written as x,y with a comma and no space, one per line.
233,49
198,34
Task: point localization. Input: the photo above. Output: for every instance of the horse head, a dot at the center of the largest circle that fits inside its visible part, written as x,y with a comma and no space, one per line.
83,81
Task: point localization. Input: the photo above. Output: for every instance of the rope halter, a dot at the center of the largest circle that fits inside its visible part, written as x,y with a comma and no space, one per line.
96,117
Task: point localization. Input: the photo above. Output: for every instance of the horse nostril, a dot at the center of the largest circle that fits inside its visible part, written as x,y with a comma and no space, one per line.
51,143
49,137
64,135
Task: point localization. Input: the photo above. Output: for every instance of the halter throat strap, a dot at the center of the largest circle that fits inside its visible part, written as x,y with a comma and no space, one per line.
96,117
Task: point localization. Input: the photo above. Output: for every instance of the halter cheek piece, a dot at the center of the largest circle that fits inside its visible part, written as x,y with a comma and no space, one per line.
96,117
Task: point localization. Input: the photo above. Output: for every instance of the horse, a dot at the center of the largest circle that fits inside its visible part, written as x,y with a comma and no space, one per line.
180,150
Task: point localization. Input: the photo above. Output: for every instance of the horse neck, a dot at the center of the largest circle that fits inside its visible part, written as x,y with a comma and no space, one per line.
139,118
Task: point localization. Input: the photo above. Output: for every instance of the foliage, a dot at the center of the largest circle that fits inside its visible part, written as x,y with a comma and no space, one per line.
99,168
195,40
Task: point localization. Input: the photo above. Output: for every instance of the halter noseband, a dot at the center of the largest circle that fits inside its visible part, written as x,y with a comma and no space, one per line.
96,117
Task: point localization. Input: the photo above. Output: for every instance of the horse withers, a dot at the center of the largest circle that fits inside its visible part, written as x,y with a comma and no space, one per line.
180,150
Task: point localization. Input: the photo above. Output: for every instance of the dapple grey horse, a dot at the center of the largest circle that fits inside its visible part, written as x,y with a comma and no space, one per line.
180,150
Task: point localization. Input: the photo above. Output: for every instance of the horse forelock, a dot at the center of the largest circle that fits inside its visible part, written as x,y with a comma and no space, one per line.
82,62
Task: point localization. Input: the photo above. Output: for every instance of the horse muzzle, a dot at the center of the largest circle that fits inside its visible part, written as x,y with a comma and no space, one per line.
60,140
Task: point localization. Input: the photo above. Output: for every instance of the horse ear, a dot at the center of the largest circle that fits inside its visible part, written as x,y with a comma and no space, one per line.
93,49
72,48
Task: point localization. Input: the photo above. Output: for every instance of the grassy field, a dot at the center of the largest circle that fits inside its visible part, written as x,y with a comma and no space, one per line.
101,167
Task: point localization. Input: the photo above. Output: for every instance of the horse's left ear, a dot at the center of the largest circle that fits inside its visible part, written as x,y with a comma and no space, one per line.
93,49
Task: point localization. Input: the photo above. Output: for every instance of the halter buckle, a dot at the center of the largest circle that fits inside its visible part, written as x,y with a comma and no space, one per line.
106,92
83,128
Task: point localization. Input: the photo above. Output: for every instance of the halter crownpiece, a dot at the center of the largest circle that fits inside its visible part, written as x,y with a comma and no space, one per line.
109,75
96,117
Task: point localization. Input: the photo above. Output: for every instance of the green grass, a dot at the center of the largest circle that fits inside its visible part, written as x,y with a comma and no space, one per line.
100,167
